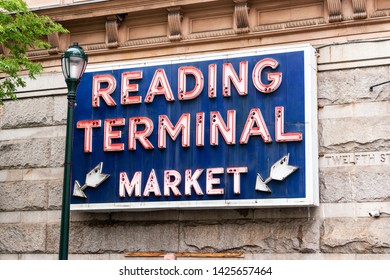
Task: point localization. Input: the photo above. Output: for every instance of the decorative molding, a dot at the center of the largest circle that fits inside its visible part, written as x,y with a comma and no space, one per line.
95,47
334,10
302,23
289,25
210,34
378,14
54,41
241,16
148,41
359,9
174,23
192,24
37,53
112,30
269,27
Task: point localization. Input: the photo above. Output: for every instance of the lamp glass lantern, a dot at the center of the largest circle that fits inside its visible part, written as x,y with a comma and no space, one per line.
73,63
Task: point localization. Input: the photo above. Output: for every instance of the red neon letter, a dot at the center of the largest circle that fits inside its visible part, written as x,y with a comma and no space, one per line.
228,132
229,74
88,125
140,135
159,86
274,78
210,181
212,80
255,125
134,186
199,129
171,185
183,72
126,88
279,128
98,91
110,134
236,171
191,181
183,125
152,185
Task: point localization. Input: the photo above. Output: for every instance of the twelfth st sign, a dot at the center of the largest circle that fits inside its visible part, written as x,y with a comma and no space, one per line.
198,132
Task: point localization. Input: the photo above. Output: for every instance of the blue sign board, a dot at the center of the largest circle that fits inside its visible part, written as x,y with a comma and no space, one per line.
234,129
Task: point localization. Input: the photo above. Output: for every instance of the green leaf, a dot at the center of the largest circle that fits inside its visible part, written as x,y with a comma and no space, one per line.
21,29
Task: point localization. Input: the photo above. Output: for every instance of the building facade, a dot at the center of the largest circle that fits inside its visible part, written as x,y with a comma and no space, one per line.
351,39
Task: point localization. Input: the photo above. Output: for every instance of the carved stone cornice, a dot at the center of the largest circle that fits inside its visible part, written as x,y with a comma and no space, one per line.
146,42
359,9
335,10
112,30
166,26
241,16
379,13
289,25
54,41
174,23
210,34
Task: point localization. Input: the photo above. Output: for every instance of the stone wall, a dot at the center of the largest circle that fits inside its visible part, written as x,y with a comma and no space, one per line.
354,149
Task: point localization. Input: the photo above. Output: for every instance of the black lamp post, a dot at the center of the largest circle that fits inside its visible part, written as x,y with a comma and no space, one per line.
73,62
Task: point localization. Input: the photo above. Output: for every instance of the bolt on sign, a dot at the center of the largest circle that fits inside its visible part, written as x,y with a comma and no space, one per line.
233,129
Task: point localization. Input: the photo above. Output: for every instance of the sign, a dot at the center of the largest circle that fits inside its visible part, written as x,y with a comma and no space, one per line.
234,129
356,159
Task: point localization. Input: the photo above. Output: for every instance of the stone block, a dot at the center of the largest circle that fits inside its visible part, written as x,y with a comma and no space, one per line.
335,210
354,134
360,236
80,216
9,257
28,112
23,195
25,153
102,237
354,183
39,257
216,214
57,151
44,82
284,213
22,238
298,256
172,215
54,216
371,183
33,133
355,110
263,236
10,217
43,174
55,195
348,86
60,109
373,257
32,153
336,184
33,217
350,209
90,257
11,175
118,257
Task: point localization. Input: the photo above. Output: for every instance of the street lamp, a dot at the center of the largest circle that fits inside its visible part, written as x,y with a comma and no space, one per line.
73,62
